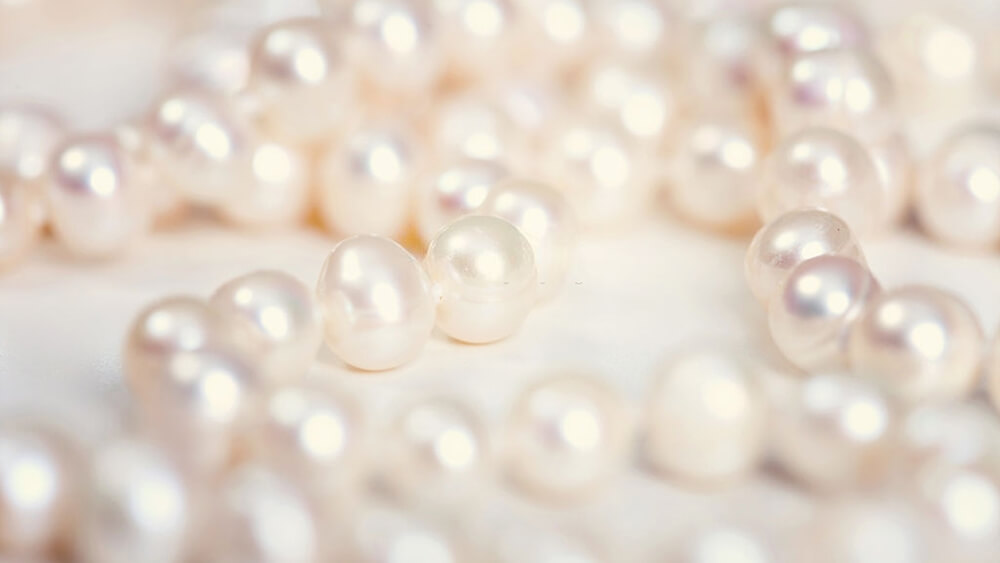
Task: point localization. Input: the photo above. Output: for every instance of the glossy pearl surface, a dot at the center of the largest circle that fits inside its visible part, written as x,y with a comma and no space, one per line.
376,303
920,343
706,420
458,190
896,167
20,219
484,272
277,191
28,136
803,27
791,239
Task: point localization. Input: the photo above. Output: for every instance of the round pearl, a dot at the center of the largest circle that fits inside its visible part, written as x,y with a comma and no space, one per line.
279,319
958,195
471,127
791,239
20,219
365,184
566,437
376,303
554,34
277,191
484,270
97,208
722,61
545,218
136,507
919,342
28,136
163,199
640,103
798,28
302,80
825,169
706,420
459,190
836,432
812,316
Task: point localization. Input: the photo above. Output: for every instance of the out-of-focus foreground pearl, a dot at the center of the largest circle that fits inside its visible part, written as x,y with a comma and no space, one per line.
458,190
277,188
376,303
484,271
28,136
706,420
20,219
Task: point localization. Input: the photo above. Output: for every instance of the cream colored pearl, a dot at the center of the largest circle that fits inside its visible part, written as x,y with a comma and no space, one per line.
640,30
721,61
825,169
958,195
706,420
97,208
920,343
471,127
19,219
459,190
812,316
545,218
791,239
837,432
163,199
641,103
554,34
366,184
473,31
28,136
798,28
566,437
277,191
376,303
484,270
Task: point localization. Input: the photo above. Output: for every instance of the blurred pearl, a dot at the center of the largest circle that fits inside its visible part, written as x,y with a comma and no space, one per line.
38,487
471,127
797,28
566,437
28,136
484,269
545,218
276,192
19,219
725,544
958,195
919,342
386,534
706,420
473,31
279,318
894,163
635,29
376,303
791,239
818,302
530,104
721,63
863,530
302,79
516,539
836,432
934,51
215,60
641,103
97,208
136,507
163,199
825,169
554,34
365,185
459,190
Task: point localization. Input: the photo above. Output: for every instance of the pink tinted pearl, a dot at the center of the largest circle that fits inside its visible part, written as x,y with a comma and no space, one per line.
277,191
458,190
20,219
798,28
28,136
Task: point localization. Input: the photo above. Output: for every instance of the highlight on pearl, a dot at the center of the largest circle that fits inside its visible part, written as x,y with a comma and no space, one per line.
28,136
458,190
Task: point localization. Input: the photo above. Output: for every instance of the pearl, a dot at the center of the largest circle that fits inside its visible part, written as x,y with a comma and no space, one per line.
798,28
302,80
459,190
920,343
19,219
136,507
469,127
216,61
860,530
825,169
819,301
640,30
545,218
958,195
706,420
721,63
554,34
724,543
376,303
641,103
791,239
277,192
484,270
893,160
385,533
836,432
473,31
566,437
163,199
96,207
513,538
28,136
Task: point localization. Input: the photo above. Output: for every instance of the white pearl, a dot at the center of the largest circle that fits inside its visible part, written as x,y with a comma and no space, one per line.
553,35
376,303
514,538
798,28
277,191
862,530
921,343
958,193
812,315
725,543
566,437
97,208
19,219
545,218
459,190
706,420
721,61
28,136
640,102
472,127
484,269
825,169
640,30
791,239
474,32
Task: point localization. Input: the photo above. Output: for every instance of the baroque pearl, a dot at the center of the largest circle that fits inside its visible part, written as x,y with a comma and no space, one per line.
797,28
20,219
484,270
920,343
277,191
706,420
791,239
458,190
28,136
376,303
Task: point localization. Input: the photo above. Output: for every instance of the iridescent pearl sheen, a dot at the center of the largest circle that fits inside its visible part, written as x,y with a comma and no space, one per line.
458,190
28,136
805,27
20,219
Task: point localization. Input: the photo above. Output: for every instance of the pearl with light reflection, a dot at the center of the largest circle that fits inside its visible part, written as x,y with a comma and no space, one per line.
797,28
20,219
553,34
471,127
458,190
28,136
722,61
636,30
277,192
640,102
473,31
725,543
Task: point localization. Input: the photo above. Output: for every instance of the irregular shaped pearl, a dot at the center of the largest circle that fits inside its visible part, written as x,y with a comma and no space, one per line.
794,29
473,31
302,80
706,419
920,343
825,169
640,102
20,219
277,192
376,303
136,507
96,207
279,318
365,185
958,195
566,437
28,136
385,533
484,269
459,190
819,301
791,239
38,488
545,218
